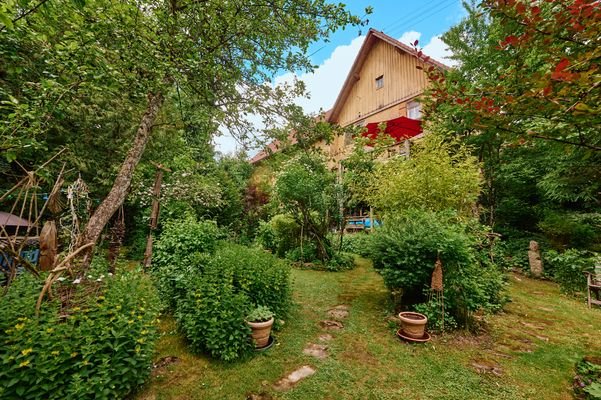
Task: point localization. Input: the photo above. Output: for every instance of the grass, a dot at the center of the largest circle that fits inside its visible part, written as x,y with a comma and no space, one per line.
533,345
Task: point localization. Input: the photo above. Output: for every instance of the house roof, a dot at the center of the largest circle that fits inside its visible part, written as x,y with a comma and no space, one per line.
373,36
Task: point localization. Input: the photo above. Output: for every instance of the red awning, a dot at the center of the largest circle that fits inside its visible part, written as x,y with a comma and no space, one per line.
400,128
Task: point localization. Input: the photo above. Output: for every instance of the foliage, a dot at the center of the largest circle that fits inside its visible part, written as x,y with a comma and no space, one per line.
568,268
405,250
182,246
100,349
525,97
307,190
280,235
437,176
340,261
357,243
565,229
433,309
219,294
259,314
587,382
211,315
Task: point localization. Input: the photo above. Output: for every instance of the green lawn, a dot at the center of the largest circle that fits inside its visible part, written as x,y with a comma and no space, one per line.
532,347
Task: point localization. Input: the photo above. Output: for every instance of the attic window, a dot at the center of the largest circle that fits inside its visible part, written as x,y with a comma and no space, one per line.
380,82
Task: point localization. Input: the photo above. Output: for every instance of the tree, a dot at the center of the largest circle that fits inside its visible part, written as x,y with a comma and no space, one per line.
525,95
306,189
217,55
438,176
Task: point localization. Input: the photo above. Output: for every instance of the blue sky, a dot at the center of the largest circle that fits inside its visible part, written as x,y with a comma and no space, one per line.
395,17
405,20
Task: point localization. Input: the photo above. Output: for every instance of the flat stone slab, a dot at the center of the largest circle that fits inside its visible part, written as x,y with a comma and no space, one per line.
325,337
331,325
487,367
260,396
316,350
339,312
294,377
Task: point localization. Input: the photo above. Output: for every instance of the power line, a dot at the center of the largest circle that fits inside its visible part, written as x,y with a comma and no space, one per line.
415,14
414,23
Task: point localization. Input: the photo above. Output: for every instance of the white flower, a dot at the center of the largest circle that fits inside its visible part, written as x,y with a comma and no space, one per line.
76,281
61,278
110,274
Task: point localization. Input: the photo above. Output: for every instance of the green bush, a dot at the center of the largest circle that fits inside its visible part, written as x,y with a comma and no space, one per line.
100,349
577,230
340,262
568,268
308,253
356,243
405,250
280,235
183,245
219,295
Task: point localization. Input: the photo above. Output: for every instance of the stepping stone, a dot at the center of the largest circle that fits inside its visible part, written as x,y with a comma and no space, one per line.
331,325
532,326
339,312
294,377
485,367
165,361
325,337
316,350
260,396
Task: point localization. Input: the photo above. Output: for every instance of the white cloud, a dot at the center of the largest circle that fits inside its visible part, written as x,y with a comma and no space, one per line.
410,37
438,50
325,82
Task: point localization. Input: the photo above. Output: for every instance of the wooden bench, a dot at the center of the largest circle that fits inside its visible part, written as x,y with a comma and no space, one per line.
593,281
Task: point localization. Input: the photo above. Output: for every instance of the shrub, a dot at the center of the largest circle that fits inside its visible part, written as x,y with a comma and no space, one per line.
340,262
308,253
183,245
568,268
101,349
405,250
356,243
578,230
211,315
280,235
219,295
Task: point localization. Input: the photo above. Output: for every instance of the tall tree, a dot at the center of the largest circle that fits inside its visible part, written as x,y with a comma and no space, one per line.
218,54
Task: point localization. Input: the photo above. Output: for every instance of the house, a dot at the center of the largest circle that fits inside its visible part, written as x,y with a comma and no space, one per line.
382,86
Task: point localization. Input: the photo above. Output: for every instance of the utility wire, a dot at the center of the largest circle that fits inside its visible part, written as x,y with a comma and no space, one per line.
415,14
414,23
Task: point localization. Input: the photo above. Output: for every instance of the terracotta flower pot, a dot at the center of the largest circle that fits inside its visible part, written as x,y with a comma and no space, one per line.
261,332
413,324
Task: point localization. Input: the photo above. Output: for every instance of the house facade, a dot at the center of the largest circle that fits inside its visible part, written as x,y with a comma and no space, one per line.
383,85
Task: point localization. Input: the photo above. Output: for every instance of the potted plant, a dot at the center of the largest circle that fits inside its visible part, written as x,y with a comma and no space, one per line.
260,321
413,324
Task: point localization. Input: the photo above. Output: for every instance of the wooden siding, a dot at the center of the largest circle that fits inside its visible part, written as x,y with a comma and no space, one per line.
402,80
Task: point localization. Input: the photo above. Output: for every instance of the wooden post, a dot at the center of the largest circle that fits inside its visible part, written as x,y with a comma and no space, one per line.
371,219
48,246
154,214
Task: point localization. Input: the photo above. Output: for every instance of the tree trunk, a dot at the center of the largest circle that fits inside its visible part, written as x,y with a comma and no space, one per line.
118,192
154,217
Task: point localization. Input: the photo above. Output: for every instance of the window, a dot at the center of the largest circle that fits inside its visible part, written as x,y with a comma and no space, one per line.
414,110
380,82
